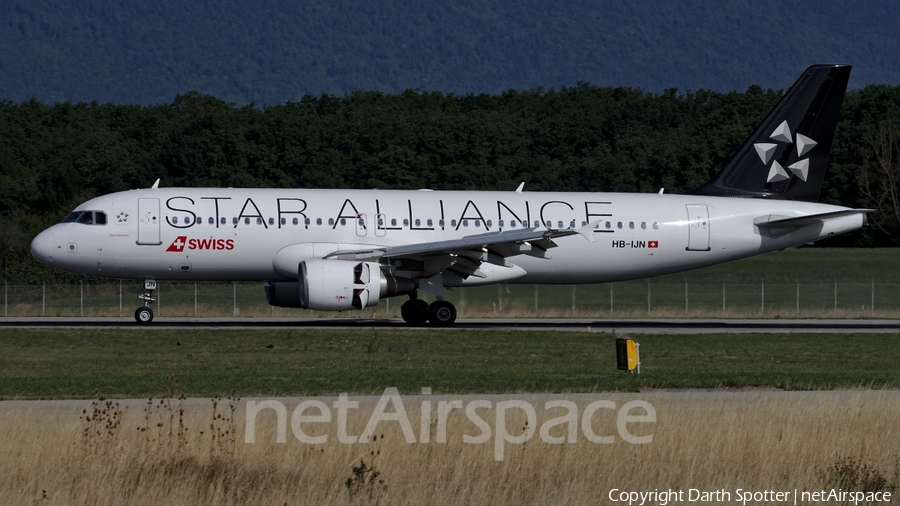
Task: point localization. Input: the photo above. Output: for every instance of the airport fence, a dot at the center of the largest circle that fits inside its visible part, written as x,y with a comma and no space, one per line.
632,299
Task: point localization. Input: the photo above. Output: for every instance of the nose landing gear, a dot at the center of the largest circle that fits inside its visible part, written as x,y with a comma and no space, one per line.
144,314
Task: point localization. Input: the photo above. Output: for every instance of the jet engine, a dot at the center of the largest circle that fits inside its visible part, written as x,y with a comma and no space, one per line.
337,285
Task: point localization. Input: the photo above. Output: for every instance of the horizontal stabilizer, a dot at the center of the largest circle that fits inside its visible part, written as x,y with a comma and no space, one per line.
786,222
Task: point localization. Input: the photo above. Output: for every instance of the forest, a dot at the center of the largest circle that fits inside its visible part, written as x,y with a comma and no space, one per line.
580,138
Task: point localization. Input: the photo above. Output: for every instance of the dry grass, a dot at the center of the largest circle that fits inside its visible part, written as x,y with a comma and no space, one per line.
756,440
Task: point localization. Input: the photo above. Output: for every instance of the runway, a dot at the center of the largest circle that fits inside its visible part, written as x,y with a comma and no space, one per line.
623,326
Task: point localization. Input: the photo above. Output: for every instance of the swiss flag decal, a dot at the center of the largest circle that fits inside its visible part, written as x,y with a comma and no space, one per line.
178,244
652,244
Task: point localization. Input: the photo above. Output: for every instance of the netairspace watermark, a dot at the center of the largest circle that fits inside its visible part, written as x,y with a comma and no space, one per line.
743,496
312,412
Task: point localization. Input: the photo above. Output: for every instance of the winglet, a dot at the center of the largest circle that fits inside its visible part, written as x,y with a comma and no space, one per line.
155,185
521,185
587,231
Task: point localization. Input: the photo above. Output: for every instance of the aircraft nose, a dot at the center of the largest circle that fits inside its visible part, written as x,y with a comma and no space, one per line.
43,247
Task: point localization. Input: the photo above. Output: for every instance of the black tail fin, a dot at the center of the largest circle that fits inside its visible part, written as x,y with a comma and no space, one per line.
787,154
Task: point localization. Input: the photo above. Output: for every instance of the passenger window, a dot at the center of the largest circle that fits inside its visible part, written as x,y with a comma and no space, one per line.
199,221
643,225
512,223
295,221
500,222
537,224
452,223
630,224
330,222
405,222
222,220
548,224
441,223
429,222
234,220
477,223
271,221
619,225
283,221
306,221
343,222
361,222
175,220
259,221
465,223
212,221
393,222
418,222
380,222
246,221
572,224
318,221
559,224
655,225
608,225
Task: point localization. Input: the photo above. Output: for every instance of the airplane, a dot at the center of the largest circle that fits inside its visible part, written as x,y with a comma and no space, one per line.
341,250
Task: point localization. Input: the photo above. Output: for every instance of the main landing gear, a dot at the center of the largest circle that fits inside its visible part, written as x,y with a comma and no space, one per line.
144,314
440,313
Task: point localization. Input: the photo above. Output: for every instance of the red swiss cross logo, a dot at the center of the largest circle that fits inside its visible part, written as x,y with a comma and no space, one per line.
652,244
178,245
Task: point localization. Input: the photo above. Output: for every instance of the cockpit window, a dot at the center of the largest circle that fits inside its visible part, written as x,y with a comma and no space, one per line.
86,218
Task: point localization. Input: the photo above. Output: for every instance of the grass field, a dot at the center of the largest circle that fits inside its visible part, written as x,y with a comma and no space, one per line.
134,362
805,282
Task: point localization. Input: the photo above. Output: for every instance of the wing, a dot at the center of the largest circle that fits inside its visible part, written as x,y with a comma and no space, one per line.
466,255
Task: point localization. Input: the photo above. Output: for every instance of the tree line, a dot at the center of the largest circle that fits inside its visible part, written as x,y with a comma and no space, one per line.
581,138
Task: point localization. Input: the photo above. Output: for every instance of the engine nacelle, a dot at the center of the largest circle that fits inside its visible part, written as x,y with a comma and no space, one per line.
337,285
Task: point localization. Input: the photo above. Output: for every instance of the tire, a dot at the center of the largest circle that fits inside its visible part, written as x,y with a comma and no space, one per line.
441,313
143,315
415,312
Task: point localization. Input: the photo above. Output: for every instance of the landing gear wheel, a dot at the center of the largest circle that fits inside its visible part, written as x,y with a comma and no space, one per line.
143,315
414,312
441,313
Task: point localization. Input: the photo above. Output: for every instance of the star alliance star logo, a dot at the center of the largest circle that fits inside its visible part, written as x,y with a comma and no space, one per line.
765,150
122,216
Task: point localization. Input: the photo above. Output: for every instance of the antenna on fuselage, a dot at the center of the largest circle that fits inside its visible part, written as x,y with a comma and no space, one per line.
521,185
156,184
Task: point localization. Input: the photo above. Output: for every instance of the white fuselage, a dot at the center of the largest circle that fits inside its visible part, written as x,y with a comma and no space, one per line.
237,234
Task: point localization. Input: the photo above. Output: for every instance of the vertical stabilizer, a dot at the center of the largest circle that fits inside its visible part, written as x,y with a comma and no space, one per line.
787,154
